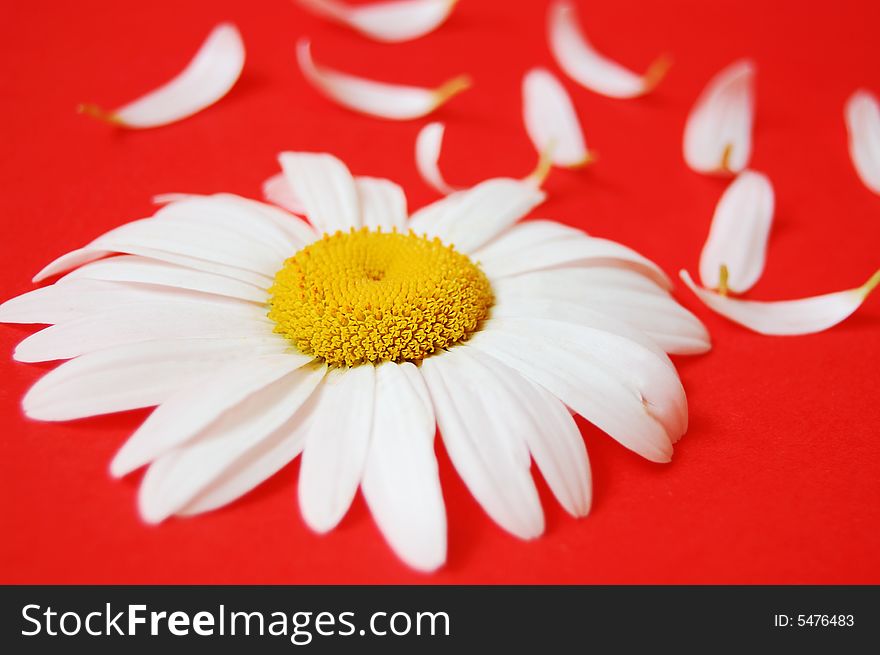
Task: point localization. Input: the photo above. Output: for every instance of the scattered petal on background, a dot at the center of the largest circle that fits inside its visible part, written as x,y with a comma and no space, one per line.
738,236
787,317
429,142
551,120
718,132
208,77
379,99
863,125
580,61
278,191
391,21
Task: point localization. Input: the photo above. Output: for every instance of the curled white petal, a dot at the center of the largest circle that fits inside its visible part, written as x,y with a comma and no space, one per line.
207,78
582,63
429,143
787,317
551,120
391,21
738,236
379,99
278,191
718,132
863,125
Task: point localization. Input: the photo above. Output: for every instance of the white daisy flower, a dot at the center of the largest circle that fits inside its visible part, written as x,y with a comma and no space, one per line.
350,338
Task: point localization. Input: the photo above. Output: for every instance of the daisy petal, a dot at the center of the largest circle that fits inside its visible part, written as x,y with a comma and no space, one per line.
401,484
390,21
562,293
383,203
189,412
207,78
252,219
179,476
581,62
554,441
718,132
142,270
260,462
429,143
134,375
144,321
468,219
379,99
278,191
551,120
540,245
787,317
622,387
336,446
862,115
484,427
75,299
325,188
210,248
738,236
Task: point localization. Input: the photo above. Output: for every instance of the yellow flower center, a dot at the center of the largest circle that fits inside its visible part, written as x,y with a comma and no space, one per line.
373,296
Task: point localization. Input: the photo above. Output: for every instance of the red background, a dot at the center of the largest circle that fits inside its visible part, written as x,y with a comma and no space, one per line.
778,479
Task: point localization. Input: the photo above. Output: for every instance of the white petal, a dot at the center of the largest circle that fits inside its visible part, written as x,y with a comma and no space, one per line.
87,254
187,413
580,61
555,294
135,375
325,188
484,428
277,190
718,132
619,385
211,248
401,484
249,218
259,462
468,219
145,321
383,203
429,143
551,120
738,236
181,475
862,115
74,299
390,21
336,446
554,441
142,270
539,245
787,317
379,99
207,78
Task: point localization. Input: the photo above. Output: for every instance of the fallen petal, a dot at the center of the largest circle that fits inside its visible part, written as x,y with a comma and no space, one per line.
787,317
738,236
863,125
551,120
379,99
718,132
391,21
207,78
580,61
429,142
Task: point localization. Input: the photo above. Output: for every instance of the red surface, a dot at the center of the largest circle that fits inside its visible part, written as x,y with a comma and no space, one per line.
778,479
